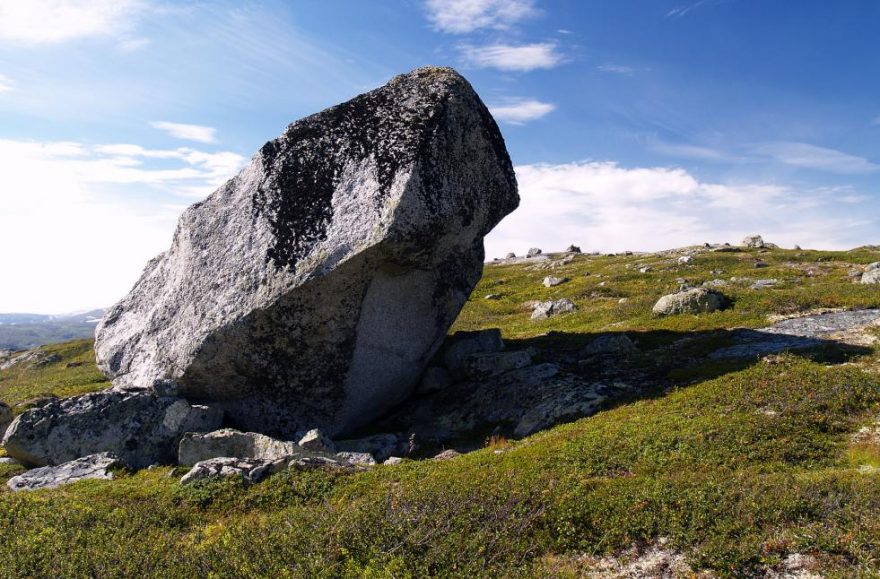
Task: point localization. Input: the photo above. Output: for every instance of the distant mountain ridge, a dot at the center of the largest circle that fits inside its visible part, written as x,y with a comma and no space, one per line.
20,331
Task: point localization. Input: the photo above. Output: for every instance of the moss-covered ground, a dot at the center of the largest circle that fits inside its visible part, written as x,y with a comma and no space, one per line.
736,467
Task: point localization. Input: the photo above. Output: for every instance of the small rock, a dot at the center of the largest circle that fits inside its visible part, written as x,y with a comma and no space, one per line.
482,366
645,269
361,458
693,301
602,284
533,252
316,441
434,379
393,460
95,466
715,283
199,447
761,264
492,297
798,248
251,470
622,300
572,249
378,446
609,344
510,255
551,281
764,283
8,460
447,455
546,310
685,259
753,242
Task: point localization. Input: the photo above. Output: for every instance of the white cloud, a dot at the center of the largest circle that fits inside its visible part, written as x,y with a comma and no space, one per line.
5,83
463,16
55,21
616,68
522,57
519,111
819,158
84,219
605,207
197,133
680,11
691,152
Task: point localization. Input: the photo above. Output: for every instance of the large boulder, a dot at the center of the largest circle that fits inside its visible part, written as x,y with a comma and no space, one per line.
872,273
693,301
139,428
312,289
196,447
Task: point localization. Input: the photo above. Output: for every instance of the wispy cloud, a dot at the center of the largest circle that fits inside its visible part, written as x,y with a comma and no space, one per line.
686,151
198,133
680,11
111,200
56,21
615,68
519,111
809,156
523,57
603,206
5,83
464,16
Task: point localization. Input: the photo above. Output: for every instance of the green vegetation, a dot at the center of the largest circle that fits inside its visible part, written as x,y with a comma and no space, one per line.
736,471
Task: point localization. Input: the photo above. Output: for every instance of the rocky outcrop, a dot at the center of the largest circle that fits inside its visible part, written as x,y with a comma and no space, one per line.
197,447
96,466
312,289
871,274
254,470
692,301
753,242
140,428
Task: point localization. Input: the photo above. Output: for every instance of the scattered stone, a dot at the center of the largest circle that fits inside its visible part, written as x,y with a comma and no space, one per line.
622,300
544,310
8,460
95,466
727,248
492,297
466,344
533,252
645,269
572,249
197,447
609,344
510,255
764,284
551,281
251,470
316,441
753,242
628,253
715,283
74,364
685,259
872,273
482,366
434,379
378,446
798,248
381,202
761,264
393,460
5,418
359,458
692,301
138,427
447,455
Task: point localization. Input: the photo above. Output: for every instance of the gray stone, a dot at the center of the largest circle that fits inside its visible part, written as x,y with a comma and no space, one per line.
492,297
534,252
313,288
197,447
8,460
482,366
392,460
764,284
5,418
692,301
551,281
544,310
685,259
448,454
609,344
379,446
316,441
95,466
138,427
753,242
510,255
645,269
871,274
572,249
434,379
251,470
358,458
466,344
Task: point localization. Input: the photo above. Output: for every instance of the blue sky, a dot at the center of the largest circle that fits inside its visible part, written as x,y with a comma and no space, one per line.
636,125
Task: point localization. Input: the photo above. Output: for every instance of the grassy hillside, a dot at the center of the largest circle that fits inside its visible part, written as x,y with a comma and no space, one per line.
735,467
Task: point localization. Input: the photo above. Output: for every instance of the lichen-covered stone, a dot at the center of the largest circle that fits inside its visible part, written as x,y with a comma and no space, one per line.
96,466
692,301
313,288
197,447
140,428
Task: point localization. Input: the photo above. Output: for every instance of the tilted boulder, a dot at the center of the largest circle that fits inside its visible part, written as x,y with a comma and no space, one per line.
197,447
139,428
872,273
312,289
95,466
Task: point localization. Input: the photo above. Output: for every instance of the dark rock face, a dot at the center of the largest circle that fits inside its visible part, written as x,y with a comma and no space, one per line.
312,289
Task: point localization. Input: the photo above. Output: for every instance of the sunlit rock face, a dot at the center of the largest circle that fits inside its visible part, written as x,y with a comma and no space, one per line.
312,288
